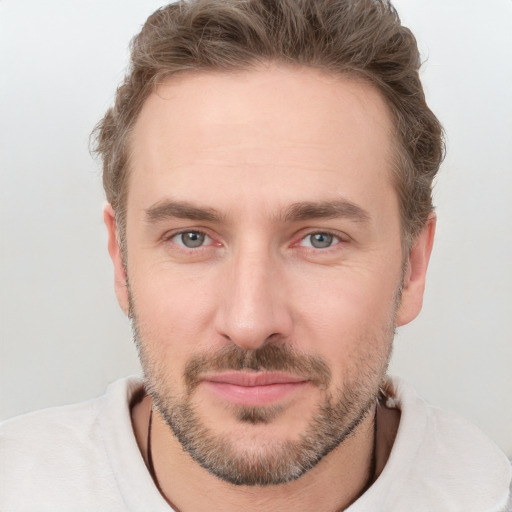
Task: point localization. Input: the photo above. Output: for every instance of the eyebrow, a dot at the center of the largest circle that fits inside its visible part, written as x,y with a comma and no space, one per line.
296,212
181,210
326,210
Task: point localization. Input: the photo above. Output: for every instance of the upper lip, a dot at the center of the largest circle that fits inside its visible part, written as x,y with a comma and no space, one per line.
254,378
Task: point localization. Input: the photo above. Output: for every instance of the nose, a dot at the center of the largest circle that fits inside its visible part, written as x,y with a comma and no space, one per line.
254,307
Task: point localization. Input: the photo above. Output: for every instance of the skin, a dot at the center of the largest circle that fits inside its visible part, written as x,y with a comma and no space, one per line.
248,146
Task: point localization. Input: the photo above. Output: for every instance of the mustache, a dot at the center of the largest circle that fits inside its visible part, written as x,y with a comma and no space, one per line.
267,358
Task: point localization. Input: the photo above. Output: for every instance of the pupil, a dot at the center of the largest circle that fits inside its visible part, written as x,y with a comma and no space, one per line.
192,239
321,240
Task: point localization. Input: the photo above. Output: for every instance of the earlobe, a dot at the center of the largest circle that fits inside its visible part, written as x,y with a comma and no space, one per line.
120,281
415,273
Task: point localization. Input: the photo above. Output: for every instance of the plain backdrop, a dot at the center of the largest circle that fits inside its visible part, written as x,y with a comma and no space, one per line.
63,337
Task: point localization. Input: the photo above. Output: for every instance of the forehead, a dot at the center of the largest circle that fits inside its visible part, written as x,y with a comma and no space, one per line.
276,132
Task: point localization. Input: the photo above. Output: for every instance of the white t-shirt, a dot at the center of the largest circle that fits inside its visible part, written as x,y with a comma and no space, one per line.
85,457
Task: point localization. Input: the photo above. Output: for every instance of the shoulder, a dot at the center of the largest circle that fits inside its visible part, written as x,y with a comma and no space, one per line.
448,442
47,429
439,461
62,448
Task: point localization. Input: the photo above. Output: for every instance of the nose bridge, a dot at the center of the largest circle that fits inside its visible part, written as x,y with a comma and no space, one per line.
253,306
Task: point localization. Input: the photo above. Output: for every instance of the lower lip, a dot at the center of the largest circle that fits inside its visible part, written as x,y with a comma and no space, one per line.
255,395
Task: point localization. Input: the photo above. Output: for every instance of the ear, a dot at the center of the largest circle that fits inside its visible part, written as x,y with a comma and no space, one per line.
415,273
120,282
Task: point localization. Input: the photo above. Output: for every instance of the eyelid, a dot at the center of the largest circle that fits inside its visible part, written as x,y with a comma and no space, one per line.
170,233
341,236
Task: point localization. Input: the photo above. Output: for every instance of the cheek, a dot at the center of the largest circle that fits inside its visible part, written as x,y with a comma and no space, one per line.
173,312
345,314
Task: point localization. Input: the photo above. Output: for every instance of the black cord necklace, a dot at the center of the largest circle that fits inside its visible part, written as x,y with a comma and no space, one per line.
151,465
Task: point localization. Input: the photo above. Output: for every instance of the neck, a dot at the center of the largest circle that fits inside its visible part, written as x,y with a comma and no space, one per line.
348,470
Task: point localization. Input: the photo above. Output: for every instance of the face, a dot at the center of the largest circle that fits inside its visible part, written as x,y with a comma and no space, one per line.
264,264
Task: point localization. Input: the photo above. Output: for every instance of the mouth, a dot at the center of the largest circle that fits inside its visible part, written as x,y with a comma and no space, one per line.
254,389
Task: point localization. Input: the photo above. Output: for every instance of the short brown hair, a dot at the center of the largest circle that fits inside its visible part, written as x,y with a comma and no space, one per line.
361,38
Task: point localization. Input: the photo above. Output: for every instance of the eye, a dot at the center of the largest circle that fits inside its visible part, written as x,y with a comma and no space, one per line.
191,239
319,240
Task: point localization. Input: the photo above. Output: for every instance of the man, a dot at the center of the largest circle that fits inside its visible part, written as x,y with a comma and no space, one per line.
268,167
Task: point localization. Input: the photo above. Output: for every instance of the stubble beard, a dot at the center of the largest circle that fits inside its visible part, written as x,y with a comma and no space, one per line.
342,410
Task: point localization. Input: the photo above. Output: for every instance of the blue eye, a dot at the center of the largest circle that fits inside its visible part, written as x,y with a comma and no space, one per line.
319,240
191,239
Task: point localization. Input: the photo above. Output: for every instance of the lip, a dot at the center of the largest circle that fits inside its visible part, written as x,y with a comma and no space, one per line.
254,389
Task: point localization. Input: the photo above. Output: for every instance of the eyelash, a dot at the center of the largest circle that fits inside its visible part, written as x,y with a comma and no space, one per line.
337,239
175,235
